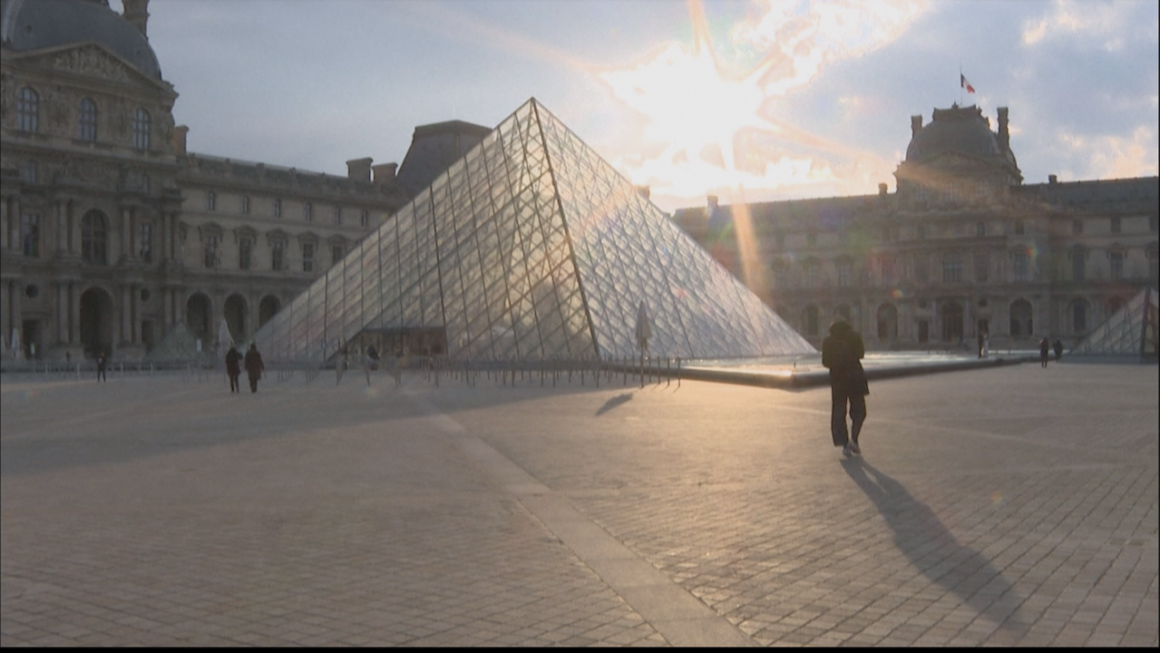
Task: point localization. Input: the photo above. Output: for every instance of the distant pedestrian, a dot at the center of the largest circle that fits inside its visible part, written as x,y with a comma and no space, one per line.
980,340
370,361
102,364
234,368
1058,346
842,352
254,366
1044,348
986,344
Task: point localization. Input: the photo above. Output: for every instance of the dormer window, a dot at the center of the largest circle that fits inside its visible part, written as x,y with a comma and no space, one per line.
87,120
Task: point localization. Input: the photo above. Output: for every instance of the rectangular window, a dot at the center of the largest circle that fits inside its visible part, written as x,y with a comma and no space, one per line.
278,208
308,257
811,274
307,212
1020,266
982,267
887,270
276,251
1076,227
1115,225
30,234
211,251
28,172
28,110
845,268
337,215
363,218
245,204
245,253
335,253
141,129
952,269
145,242
210,201
1116,265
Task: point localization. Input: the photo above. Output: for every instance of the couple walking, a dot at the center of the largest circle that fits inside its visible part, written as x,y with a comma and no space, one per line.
842,352
252,362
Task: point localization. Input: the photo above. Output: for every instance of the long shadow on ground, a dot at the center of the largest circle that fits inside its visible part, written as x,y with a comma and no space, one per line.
934,550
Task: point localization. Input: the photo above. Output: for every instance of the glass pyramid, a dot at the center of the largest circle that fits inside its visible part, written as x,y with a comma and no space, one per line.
531,247
1130,331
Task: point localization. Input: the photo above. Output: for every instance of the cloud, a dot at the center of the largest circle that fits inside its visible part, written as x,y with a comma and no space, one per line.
1104,23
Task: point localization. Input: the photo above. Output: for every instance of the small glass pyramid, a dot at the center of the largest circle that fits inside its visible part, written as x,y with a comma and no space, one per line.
529,248
1130,331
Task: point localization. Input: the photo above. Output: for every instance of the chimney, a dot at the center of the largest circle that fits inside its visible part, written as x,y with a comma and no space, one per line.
915,125
384,173
882,190
359,169
179,134
712,201
1004,135
1052,179
137,13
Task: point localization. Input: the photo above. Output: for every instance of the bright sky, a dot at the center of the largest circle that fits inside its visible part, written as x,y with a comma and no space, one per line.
749,100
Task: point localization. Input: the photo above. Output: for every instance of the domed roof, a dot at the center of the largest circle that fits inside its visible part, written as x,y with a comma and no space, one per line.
958,129
27,25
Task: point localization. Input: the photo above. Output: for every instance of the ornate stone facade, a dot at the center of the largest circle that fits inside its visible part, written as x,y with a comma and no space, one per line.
962,248
111,233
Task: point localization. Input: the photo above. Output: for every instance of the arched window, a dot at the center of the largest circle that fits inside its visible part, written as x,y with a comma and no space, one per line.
94,238
810,320
141,129
27,110
1021,326
887,322
1077,311
87,120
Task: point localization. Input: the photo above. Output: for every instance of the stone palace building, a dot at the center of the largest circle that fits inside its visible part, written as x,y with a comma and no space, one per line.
963,247
112,233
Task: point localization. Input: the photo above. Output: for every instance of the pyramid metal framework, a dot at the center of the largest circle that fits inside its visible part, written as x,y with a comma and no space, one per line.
530,248
1130,331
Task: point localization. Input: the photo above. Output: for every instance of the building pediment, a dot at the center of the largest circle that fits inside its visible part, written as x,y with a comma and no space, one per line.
89,60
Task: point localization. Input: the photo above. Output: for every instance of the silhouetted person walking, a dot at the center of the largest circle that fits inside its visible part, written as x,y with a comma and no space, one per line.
842,352
1058,347
102,364
1044,347
254,366
234,367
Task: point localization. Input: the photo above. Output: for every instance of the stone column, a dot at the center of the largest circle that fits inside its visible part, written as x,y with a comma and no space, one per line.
126,315
74,312
16,313
62,307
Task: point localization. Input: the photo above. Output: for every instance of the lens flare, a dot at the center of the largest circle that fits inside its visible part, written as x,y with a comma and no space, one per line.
718,131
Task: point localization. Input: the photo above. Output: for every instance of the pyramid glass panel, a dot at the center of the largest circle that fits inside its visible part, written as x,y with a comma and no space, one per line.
1130,331
531,247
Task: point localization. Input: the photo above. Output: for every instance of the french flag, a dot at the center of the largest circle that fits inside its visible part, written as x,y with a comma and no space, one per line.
965,84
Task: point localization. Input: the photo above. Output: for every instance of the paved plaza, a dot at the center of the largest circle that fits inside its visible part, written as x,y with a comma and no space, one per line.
1006,505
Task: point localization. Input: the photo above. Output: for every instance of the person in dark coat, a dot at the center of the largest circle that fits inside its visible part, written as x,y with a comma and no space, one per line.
1044,348
1058,347
254,366
102,364
842,352
234,367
